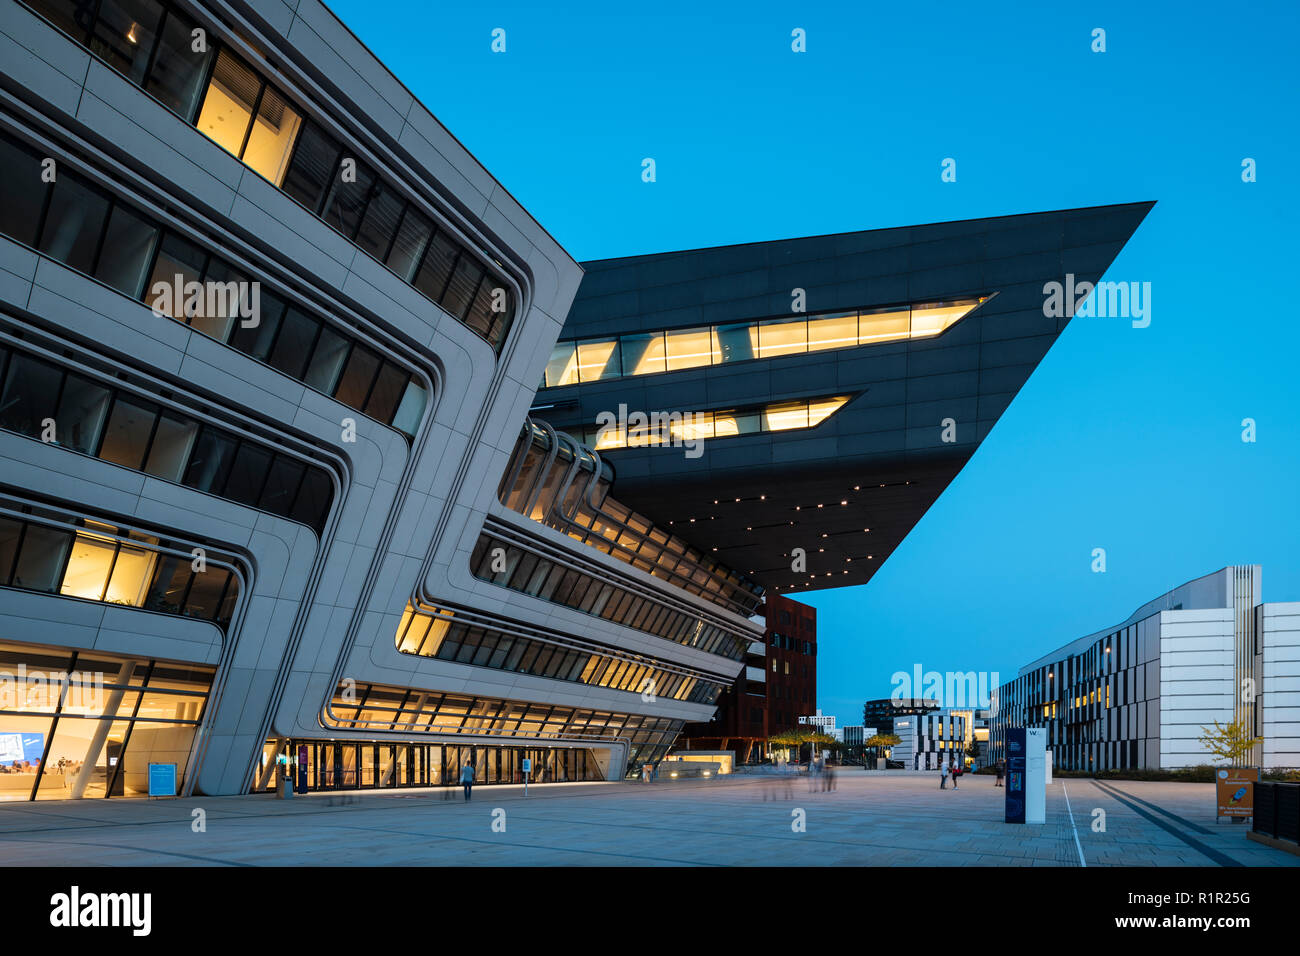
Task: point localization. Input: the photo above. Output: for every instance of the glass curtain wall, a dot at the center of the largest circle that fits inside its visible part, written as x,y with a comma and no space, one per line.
77,724
232,103
95,233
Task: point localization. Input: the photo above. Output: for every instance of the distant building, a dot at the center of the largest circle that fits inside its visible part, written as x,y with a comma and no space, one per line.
779,678
1138,694
926,740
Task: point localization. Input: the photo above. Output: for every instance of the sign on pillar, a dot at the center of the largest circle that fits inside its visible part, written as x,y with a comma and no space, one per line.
1026,798
1036,775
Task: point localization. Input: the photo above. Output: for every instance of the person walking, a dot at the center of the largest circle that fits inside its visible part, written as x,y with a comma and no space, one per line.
943,776
998,782
467,777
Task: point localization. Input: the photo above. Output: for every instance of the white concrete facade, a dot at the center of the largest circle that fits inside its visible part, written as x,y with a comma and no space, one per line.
319,606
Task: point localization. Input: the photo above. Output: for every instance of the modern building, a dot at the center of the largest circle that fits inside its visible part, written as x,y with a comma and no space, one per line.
797,405
1140,693
825,723
268,340
854,738
779,679
928,741
277,483
883,711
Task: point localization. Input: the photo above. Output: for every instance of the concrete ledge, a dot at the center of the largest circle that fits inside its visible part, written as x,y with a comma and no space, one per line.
1277,844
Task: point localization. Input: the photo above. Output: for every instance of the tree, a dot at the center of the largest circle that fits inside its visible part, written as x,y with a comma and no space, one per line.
973,749
884,740
1232,743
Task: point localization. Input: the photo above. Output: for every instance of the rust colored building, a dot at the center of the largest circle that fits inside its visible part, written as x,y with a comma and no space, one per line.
777,686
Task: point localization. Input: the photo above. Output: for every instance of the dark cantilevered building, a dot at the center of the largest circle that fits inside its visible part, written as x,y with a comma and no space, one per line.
815,393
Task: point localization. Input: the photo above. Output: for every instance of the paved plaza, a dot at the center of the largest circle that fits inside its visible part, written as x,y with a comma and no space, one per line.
871,819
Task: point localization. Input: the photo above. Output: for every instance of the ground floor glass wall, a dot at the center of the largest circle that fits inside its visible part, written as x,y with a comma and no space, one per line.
341,765
88,724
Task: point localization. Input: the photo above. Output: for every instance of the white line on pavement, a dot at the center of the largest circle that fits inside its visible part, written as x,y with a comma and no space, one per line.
1078,845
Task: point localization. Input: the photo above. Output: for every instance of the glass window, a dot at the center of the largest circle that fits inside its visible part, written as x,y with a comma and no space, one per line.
409,412
30,390
737,343
562,369
10,530
176,78
464,283
205,593
346,202
327,360
379,224
88,567
358,375
313,499
933,319
832,331
132,572
689,348
224,289
782,337
130,423
247,474
22,194
128,249
598,360
74,223
71,16
643,353
171,579
256,340
312,166
124,34
228,106
281,485
480,317
179,262
213,454
40,563
882,326
781,416
437,266
408,246
387,392
294,345
821,409
82,409
171,446
271,140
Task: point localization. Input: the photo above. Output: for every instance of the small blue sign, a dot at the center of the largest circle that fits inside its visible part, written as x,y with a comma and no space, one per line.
162,779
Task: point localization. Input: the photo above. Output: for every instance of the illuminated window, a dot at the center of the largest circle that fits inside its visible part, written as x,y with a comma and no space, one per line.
647,353
882,326
562,369
597,360
690,348
643,354
933,319
782,337
832,331
783,416
88,567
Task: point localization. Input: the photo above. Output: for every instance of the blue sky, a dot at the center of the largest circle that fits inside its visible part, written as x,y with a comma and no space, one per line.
1125,439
